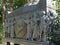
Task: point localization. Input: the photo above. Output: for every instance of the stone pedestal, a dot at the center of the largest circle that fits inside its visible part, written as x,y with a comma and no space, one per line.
23,42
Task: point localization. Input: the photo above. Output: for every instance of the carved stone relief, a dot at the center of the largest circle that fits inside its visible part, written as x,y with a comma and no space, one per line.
20,29
31,26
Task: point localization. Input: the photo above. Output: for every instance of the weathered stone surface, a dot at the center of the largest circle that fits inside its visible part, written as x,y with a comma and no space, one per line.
25,42
27,25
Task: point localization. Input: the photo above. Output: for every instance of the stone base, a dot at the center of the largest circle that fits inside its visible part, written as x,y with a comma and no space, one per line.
6,41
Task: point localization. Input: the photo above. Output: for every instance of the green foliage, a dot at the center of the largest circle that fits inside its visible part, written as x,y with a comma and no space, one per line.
0,15
56,36
18,3
1,32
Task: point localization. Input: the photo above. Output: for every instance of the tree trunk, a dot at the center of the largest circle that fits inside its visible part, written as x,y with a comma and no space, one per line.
11,5
3,9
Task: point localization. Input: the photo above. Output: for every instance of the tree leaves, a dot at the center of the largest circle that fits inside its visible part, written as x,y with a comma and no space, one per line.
18,3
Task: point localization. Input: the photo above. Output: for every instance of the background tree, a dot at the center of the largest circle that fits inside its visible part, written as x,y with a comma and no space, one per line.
56,35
